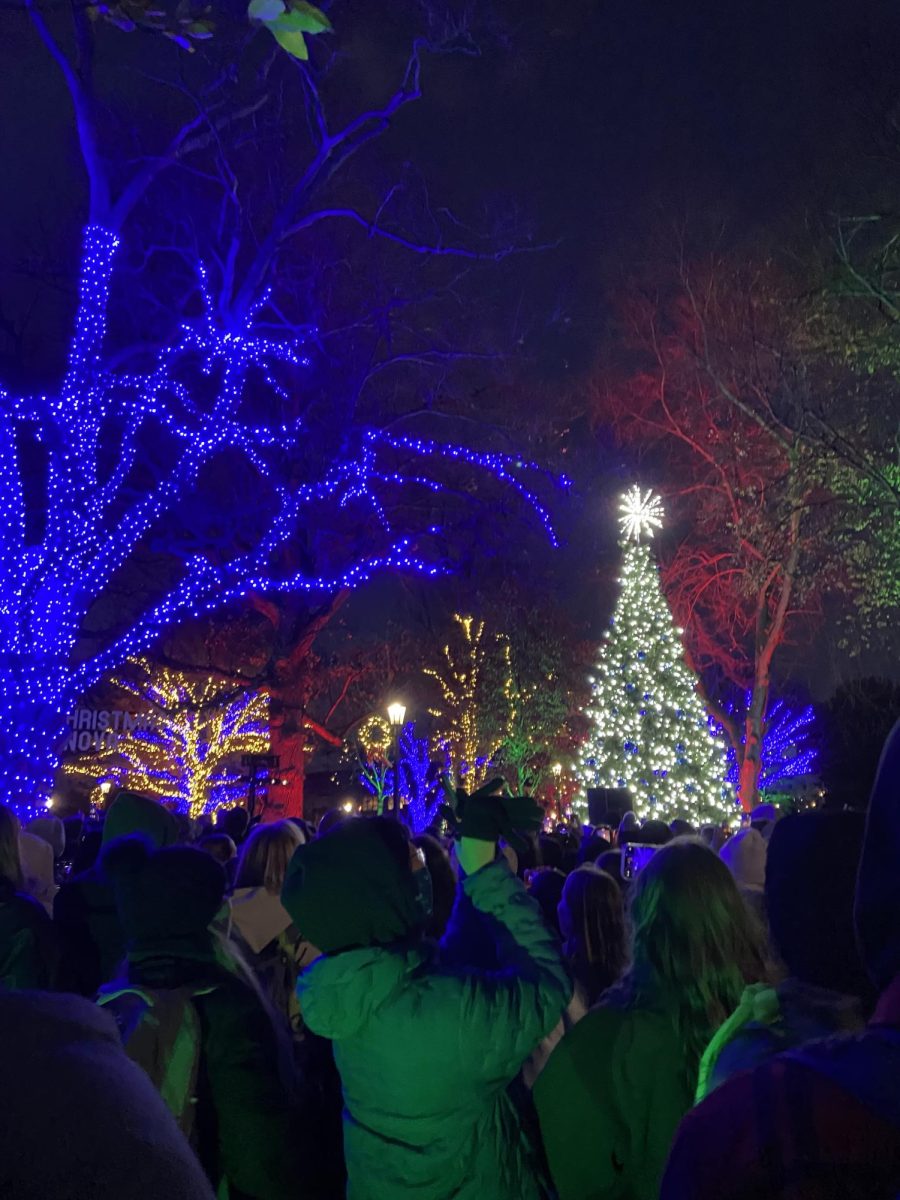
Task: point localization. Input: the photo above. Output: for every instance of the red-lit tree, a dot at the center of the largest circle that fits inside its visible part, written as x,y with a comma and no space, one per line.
743,420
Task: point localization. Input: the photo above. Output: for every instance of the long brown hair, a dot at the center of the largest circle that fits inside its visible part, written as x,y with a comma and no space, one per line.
592,917
10,859
265,856
695,945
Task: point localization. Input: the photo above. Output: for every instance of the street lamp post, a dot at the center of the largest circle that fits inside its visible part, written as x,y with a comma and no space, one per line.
396,717
557,796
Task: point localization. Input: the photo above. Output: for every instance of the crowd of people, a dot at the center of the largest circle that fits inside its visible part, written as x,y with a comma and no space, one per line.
489,1011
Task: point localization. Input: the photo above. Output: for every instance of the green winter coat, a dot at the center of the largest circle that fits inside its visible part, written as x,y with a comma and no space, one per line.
248,1128
426,1052
609,1101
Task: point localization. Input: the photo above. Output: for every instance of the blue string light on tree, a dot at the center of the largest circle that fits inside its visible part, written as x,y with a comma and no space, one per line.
787,751
100,506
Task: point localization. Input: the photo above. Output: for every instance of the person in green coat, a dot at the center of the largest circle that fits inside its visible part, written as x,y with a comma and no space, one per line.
616,1087
91,938
427,1050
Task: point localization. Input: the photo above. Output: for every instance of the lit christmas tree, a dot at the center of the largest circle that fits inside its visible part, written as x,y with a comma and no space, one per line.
650,732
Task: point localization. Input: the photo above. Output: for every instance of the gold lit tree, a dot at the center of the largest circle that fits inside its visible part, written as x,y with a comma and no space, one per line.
200,726
474,713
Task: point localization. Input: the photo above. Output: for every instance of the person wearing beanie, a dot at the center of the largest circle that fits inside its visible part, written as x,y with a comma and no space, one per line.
745,856
39,878
52,830
821,1120
811,870
426,1050
764,818
247,1123
92,944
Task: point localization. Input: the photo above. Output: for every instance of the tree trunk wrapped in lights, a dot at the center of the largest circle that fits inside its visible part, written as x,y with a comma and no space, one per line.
469,735
418,783
125,440
650,732
191,750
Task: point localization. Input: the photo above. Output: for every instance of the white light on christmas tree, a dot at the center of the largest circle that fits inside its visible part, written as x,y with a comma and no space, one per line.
649,729
641,514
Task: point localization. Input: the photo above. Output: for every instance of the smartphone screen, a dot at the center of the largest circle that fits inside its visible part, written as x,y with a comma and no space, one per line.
635,858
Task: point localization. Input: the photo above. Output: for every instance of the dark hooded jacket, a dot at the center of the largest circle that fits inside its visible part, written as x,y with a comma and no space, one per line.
248,1123
820,1121
91,940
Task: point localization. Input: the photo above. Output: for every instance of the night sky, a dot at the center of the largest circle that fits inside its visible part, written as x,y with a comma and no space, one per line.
597,121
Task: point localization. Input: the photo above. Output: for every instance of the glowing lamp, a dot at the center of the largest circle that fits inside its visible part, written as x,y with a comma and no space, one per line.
396,714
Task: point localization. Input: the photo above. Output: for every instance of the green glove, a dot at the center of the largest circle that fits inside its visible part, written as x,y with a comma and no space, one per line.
486,816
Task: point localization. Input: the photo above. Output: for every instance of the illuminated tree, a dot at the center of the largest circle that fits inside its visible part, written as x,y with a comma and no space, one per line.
192,747
374,739
650,731
754,427
787,752
418,783
117,451
420,780
470,731
540,669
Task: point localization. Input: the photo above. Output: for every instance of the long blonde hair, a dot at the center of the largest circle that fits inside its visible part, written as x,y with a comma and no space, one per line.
695,944
10,856
265,856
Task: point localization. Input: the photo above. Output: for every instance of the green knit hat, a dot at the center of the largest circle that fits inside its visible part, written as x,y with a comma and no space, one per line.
131,812
353,887
166,899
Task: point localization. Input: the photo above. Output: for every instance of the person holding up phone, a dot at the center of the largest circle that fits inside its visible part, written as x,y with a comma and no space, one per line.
427,1050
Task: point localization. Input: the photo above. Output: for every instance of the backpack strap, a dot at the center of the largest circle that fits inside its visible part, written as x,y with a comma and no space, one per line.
160,1030
127,1005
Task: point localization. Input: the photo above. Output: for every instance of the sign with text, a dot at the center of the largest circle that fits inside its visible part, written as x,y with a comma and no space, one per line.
101,728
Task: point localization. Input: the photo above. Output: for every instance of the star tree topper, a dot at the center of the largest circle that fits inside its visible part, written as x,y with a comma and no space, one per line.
641,514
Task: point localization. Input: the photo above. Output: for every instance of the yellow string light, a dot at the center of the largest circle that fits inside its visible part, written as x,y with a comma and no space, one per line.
200,726
460,725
